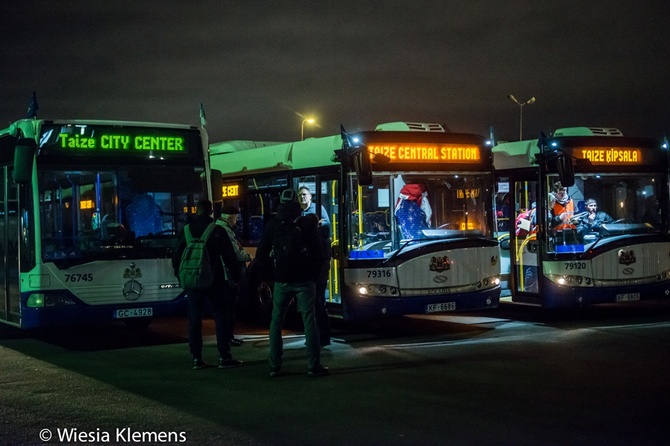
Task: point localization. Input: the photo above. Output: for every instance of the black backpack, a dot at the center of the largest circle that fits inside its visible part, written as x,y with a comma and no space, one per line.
290,251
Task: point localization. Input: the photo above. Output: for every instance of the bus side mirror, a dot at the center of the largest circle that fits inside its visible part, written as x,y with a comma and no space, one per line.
363,167
217,184
566,170
24,155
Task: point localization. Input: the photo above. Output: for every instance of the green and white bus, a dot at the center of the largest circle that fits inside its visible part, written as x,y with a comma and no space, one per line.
415,236
610,244
89,214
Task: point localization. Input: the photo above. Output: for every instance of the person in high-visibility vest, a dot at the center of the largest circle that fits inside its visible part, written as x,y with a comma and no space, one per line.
561,208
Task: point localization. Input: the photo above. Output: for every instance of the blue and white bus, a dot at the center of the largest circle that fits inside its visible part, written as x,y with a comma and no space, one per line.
89,213
608,242
414,237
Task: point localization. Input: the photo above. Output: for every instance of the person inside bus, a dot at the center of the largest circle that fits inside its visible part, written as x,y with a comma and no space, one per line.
144,216
309,207
593,219
413,211
228,220
561,207
526,221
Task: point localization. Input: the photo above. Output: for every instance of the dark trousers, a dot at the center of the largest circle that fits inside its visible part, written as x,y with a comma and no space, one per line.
221,310
321,313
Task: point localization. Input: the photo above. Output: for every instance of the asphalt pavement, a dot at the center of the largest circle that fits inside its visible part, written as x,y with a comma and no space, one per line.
511,377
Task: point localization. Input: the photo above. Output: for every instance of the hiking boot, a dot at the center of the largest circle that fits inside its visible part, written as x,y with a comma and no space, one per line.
317,371
234,342
229,363
198,364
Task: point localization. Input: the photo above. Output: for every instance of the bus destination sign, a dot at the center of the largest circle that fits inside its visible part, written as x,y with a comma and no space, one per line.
123,142
609,155
230,190
427,153
117,141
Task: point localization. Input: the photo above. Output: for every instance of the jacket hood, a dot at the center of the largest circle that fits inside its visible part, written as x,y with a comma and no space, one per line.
288,211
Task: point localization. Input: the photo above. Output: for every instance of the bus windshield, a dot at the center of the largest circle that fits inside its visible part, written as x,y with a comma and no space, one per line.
599,206
106,214
407,208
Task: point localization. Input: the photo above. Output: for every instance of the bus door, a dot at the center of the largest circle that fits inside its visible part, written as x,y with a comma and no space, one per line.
524,248
324,190
10,307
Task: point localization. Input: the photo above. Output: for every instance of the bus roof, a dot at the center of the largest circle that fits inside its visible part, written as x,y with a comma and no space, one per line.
588,131
240,156
30,126
249,156
517,154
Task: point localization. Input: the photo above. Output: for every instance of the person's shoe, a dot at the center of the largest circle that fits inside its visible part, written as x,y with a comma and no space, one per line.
319,370
229,363
234,342
276,373
198,364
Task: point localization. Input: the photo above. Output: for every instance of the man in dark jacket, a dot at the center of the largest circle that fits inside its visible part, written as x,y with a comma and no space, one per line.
218,296
299,282
593,218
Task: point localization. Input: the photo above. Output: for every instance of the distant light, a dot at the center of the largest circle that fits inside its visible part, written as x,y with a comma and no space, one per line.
554,144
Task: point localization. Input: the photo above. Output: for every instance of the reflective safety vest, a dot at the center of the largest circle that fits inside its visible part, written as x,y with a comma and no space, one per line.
564,212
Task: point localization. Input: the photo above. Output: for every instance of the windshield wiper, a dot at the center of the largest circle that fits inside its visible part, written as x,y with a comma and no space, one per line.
395,254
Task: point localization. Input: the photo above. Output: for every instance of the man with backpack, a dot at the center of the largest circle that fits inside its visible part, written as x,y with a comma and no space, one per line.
296,254
198,260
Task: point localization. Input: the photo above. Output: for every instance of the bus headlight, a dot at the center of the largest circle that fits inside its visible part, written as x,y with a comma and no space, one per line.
576,281
40,300
367,289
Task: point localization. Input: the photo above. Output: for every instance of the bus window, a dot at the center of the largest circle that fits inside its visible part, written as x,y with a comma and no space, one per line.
405,208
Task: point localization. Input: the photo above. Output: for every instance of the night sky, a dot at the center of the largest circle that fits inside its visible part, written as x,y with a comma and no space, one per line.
259,67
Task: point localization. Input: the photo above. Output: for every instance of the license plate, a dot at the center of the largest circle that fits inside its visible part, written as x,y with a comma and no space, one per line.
133,312
445,306
627,297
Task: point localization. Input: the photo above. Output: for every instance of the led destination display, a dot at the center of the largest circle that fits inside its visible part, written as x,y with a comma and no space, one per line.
92,140
427,153
610,155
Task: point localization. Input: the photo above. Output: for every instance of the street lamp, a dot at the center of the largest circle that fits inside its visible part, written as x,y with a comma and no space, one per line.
302,127
520,104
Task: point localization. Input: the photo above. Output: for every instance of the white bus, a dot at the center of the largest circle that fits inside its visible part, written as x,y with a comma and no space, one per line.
414,235
608,243
89,213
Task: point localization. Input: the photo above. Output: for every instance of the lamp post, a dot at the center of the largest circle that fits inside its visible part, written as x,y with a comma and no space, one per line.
520,104
302,127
